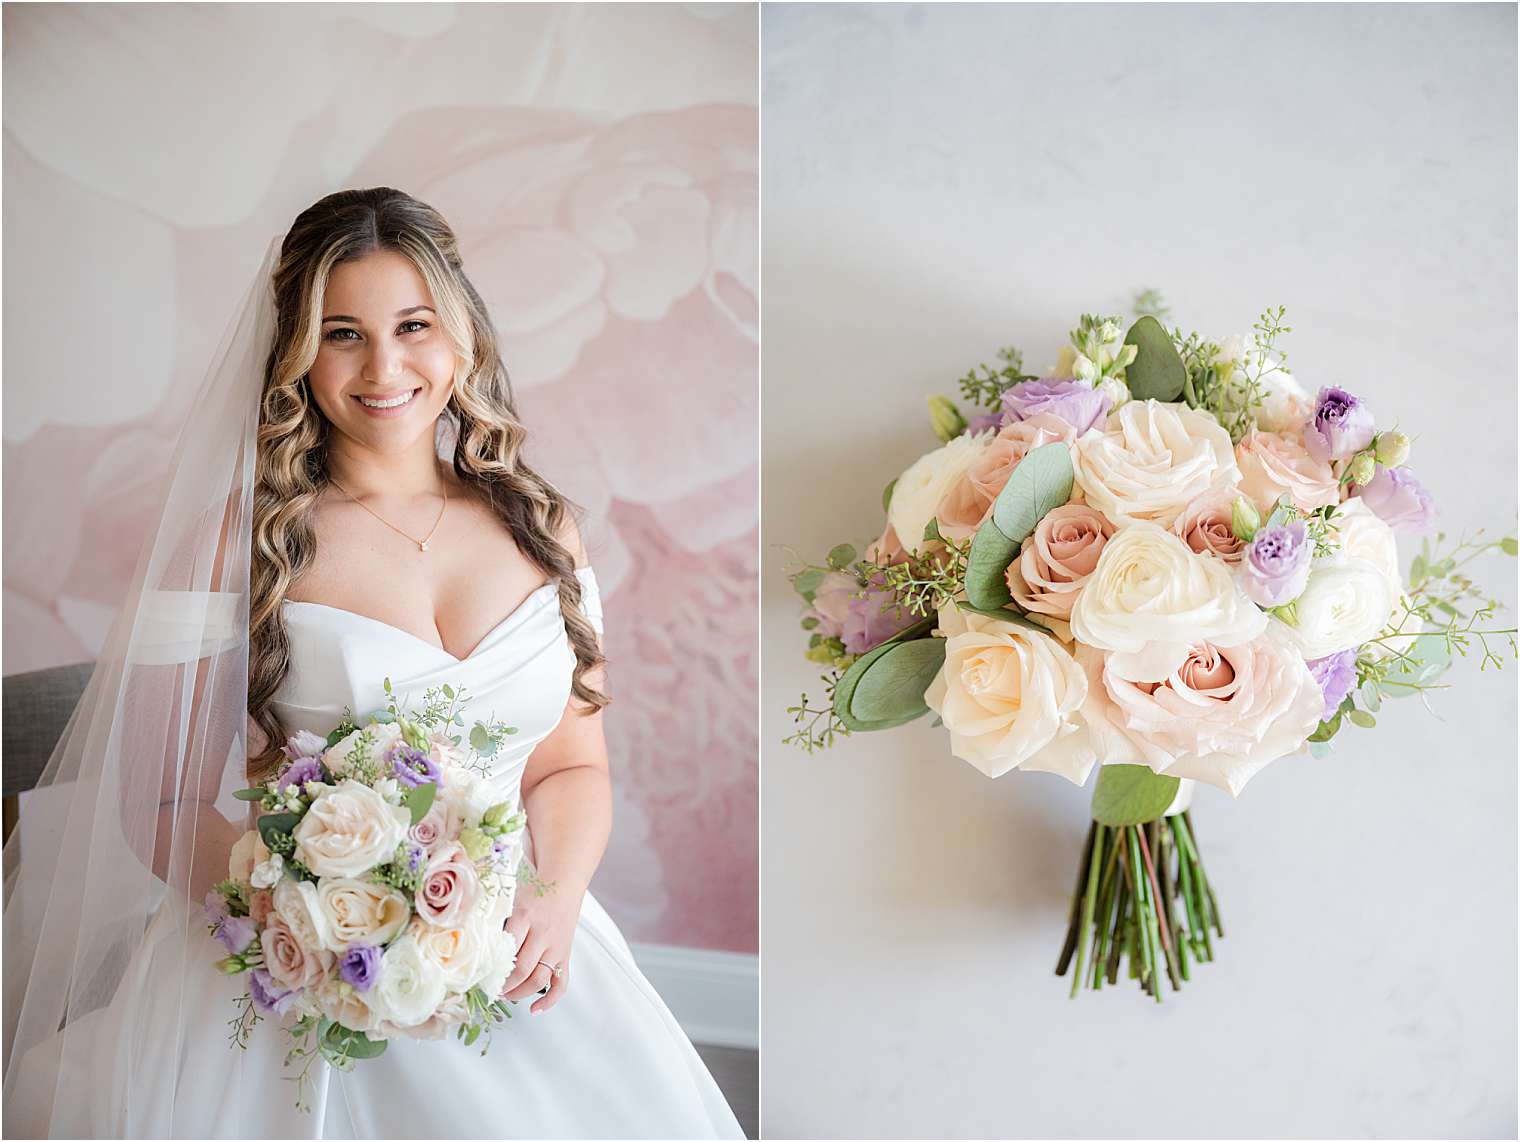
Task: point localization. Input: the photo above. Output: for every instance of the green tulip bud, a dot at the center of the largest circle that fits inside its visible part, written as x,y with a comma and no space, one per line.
1363,468
1245,520
496,816
476,844
946,418
1392,449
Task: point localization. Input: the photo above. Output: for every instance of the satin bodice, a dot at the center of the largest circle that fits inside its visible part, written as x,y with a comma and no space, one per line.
519,673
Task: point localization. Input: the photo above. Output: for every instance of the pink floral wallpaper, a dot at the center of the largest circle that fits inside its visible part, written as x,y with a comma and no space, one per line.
599,164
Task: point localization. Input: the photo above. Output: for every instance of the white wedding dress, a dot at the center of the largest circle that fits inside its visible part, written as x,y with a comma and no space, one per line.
608,1061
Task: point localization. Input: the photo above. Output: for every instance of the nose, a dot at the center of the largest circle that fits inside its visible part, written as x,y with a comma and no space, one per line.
383,364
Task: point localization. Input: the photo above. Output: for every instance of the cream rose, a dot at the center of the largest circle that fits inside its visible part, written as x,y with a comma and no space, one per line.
383,734
450,887
453,1011
349,830
358,911
344,1005
1204,525
463,954
246,853
1346,602
1009,697
1273,465
1220,716
295,901
1056,560
1151,597
1359,533
919,490
293,963
1151,460
410,985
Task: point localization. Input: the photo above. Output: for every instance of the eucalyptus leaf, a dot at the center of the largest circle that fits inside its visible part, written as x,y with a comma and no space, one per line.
842,556
419,799
931,531
1362,718
1157,372
1131,795
806,583
1371,696
844,689
1326,730
987,567
250,794
886,495
448,691
1319,750
894,685
1042,481
480,739
1428,658
277,824
1003,614
354,1044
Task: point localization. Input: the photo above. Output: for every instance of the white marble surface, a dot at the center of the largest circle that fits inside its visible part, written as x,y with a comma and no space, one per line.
942,181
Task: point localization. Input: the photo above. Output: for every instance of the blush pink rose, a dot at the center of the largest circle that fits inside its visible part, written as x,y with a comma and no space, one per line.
450,887
1204,525
432,829
1056,560
968,503
291,963
1274,464
1219,715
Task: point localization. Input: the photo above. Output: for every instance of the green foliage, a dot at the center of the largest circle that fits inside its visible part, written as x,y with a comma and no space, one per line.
1131,795
987,563
1042,481
924,582
1229,389
419,799
1149,303
892,690
1157,372
886,494
985,385
273,826
816,727
841,557
844,689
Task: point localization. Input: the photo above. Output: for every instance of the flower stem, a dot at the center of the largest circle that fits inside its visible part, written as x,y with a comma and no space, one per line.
1089,902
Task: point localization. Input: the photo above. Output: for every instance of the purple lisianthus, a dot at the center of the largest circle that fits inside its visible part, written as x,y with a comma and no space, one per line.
216,907
984,422
413,767
1076,402
303,743
360,966
268,996
302,770
872,619
1336,674
1399,500
235,933
1341,426
1276,564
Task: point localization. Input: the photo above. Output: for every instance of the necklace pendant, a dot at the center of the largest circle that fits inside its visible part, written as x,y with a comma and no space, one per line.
422,546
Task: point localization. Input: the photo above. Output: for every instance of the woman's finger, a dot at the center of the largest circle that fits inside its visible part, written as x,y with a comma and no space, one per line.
539,977
556,988
527,960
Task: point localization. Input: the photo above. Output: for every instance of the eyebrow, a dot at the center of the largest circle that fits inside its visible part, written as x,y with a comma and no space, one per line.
399,313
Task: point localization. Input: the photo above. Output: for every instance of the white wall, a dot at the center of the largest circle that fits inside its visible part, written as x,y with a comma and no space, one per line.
939,181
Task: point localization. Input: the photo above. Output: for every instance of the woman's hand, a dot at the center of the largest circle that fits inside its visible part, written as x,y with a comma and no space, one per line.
543,921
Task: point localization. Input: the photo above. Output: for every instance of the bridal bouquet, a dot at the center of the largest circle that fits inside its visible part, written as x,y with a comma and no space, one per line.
1163,556
370,901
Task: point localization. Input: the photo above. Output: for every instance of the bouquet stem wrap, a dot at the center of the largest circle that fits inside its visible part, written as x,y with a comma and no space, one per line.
1141,894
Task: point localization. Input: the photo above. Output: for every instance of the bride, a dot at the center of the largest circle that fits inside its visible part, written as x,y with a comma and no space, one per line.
349,505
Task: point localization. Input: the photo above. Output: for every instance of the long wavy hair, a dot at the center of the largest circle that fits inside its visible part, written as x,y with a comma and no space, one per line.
291,464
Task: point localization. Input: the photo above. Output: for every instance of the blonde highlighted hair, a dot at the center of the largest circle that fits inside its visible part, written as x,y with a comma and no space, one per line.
291,465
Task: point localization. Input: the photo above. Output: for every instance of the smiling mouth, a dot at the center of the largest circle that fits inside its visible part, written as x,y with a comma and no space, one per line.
392,402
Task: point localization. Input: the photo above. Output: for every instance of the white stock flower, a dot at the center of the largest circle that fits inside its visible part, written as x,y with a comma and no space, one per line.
349,830
296,901
267,873
361,912
1151,598
919,490
1009,697
1151,460
1346,602
410,985
501,959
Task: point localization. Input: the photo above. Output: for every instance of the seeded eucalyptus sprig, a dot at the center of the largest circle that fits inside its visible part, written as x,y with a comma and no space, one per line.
925,582
817,726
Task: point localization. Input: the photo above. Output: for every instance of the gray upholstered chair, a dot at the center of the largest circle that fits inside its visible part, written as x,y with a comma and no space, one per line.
37,707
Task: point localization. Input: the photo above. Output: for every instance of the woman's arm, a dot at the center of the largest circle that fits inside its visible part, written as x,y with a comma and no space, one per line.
567,795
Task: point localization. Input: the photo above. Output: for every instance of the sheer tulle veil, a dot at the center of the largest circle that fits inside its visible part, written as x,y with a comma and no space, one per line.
98,873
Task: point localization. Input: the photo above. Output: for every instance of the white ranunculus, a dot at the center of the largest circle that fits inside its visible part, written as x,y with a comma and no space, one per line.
383,734
1150,597
1346,602
1361,534
501,959
349,830
919,490
1009,697
267,873
410,985
1152,460
463,954
246,853
296,901
361,912
342,1004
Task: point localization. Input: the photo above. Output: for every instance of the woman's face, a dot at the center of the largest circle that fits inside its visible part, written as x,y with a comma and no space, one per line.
385,366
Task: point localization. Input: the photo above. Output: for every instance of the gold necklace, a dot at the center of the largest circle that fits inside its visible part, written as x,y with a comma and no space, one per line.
422,544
